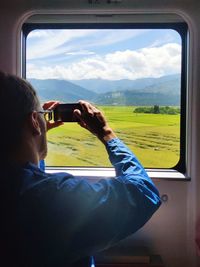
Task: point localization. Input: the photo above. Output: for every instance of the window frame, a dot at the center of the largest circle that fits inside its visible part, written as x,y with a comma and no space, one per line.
181,28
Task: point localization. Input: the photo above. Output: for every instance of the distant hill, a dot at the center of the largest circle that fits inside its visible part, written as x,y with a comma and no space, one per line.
138,99
61,90
104,86
148,91
164,91
166,85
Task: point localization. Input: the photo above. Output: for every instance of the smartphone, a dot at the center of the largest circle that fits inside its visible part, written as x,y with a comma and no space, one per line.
64,112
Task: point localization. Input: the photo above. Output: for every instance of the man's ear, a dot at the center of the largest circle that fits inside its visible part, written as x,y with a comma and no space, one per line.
34,123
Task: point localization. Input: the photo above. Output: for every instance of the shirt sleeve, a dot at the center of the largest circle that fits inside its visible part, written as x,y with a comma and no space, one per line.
78,218
129,170
117,207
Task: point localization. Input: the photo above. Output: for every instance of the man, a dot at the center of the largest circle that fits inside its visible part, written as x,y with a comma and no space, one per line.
57,219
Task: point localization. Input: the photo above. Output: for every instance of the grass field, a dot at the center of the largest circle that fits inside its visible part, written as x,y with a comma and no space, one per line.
154,138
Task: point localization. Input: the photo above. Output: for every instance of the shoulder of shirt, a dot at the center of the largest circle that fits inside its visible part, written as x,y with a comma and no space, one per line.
38,171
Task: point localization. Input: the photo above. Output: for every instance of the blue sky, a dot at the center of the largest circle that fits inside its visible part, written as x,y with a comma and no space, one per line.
107,54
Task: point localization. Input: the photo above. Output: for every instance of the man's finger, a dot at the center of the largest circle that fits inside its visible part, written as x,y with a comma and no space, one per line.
87,107
50,105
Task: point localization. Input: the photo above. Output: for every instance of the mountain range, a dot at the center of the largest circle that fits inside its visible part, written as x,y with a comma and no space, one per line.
148,91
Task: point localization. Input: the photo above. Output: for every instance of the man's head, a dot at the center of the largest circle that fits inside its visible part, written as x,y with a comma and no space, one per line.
22,127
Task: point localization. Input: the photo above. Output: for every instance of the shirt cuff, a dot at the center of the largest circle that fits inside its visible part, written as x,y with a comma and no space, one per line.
113,141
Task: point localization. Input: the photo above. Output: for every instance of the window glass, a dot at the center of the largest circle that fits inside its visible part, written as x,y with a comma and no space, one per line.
132,75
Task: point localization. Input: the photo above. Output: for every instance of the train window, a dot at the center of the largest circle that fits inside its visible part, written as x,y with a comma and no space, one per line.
135,73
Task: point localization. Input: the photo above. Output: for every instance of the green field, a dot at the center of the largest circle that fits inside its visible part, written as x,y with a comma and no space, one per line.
154,138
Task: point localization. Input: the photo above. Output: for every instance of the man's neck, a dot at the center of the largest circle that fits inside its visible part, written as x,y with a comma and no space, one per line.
24,155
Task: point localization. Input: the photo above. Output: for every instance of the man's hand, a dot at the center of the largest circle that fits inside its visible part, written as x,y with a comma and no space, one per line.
51,106
94,121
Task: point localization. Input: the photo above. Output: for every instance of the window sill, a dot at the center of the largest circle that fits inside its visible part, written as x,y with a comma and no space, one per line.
98,173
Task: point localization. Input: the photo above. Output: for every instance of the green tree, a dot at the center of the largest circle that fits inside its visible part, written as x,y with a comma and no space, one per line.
156,109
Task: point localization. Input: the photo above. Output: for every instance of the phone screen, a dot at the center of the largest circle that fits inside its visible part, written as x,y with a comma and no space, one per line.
64,112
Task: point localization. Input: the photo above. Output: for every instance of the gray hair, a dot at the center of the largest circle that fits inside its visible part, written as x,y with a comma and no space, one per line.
18,98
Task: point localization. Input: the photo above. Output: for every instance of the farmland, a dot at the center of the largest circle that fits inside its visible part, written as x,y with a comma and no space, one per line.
154,138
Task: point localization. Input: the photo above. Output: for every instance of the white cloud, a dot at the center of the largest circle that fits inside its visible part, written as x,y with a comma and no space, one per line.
129,64
45,43
109,37
38,34
166,38
80,53
54,44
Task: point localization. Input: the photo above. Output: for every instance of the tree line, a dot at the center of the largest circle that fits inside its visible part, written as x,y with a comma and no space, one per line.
156,109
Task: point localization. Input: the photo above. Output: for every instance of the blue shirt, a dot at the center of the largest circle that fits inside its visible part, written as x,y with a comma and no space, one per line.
61,218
